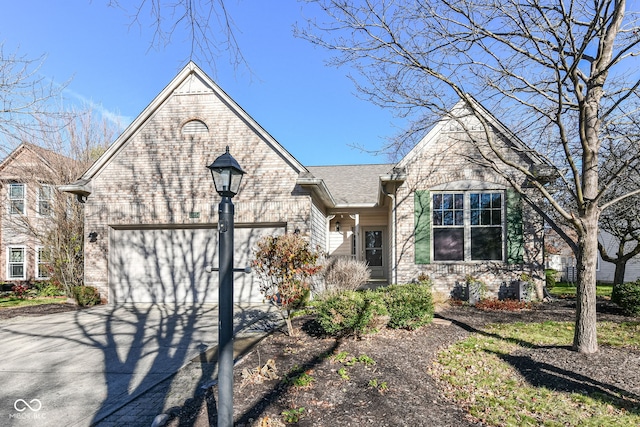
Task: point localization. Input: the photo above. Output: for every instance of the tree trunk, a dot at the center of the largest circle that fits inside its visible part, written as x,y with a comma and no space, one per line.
618,276
585,339
286,314
539,288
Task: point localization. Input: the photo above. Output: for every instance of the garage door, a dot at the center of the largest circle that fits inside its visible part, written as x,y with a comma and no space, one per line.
168,265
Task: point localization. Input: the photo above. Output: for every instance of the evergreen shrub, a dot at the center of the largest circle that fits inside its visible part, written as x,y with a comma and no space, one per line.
410,306
627,296
85,296
352,313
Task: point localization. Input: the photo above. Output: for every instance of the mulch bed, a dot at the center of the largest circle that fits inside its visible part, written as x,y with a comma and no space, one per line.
36,310
410,397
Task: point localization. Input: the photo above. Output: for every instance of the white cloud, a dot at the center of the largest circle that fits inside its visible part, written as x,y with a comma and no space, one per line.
117,119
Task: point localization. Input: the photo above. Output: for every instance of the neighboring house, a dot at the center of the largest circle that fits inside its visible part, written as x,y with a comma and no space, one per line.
561,258
151,207
606,269
27,191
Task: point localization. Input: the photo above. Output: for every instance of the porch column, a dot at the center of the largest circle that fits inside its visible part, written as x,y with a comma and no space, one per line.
356,218
327,234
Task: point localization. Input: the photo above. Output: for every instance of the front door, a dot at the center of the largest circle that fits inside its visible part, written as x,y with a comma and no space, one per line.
374,256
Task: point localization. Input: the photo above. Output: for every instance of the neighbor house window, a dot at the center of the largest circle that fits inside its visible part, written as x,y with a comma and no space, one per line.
45,198
17,195
16,263
468,226
42,263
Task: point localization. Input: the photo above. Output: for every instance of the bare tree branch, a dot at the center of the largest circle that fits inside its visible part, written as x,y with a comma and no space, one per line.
210,29
554,71
27,99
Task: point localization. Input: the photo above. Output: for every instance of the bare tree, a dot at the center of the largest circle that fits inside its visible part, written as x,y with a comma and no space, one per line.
623,223
556,72
56,222
27,99
209,28
622,220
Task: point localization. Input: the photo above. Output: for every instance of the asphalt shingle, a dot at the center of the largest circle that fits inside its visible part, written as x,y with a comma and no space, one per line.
352,184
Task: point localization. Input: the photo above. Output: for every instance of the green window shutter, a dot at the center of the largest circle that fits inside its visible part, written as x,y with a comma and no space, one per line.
515,238
422,232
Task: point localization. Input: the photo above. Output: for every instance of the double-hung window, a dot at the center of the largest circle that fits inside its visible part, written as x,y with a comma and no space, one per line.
16,263
448,226
17,194
42,263
486,225
45,197
468,226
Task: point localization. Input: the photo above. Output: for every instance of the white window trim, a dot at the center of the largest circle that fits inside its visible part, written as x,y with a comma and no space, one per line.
467,224
39,199
38,277
24,262
24,198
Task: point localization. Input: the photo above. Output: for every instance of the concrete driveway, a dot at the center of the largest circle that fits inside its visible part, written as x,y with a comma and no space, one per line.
76,368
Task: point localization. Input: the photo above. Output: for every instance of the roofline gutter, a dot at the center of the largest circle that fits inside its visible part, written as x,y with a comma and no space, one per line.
351,206
397,178
319,188
81,189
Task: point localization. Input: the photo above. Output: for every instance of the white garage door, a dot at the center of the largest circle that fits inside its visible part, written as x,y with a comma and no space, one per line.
168,265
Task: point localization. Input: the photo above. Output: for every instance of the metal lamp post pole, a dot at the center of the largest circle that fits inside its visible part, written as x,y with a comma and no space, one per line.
225,322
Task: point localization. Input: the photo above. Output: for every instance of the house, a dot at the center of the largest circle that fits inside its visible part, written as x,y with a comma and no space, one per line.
151,208
28,176
606,270
560,257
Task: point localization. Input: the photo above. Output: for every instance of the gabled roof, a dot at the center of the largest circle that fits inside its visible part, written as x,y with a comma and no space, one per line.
83,185
44,158
349,186
458,111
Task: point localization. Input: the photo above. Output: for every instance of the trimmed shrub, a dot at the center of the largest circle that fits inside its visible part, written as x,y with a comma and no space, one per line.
410,306
627,296
352,313
47,289
85,296
551,277
615,295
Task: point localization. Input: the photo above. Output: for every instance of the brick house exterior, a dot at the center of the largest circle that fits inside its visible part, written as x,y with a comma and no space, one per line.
28,176
151,207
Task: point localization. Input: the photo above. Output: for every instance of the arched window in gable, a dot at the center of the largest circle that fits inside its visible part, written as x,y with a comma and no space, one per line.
195,127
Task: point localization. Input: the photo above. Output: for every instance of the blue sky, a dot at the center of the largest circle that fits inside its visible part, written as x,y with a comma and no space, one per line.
308,107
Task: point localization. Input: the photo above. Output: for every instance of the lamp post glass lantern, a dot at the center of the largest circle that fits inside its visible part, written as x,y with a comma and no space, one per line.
227,174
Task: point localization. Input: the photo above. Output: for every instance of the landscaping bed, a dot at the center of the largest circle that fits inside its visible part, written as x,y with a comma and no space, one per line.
37,309
392,378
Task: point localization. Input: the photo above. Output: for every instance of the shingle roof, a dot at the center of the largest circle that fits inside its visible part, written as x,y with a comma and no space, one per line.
41,166
352,184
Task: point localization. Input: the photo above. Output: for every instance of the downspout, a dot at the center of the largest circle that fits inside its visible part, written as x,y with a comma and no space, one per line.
394,270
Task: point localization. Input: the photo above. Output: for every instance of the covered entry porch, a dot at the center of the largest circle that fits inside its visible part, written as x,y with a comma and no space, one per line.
363,237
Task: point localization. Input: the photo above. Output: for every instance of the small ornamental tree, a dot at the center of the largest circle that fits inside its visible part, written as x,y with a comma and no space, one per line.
284,265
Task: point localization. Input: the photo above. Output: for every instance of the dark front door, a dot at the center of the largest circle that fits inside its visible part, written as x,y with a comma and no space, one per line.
374,256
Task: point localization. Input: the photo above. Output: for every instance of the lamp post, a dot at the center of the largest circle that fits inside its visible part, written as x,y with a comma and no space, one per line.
227,174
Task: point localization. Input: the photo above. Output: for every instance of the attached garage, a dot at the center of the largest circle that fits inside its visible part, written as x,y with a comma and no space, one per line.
150,202
167,265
